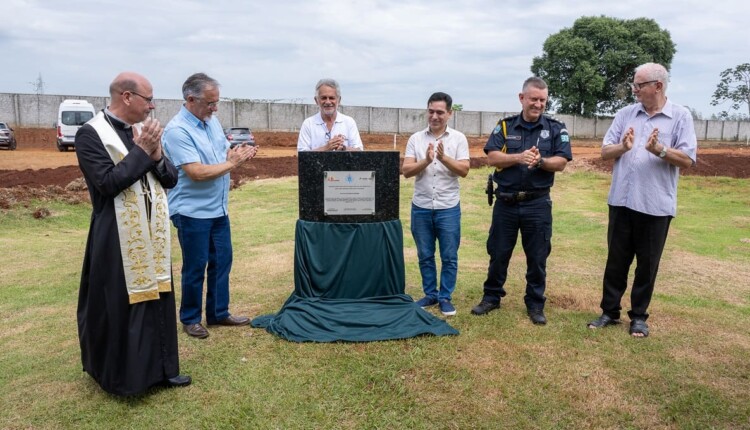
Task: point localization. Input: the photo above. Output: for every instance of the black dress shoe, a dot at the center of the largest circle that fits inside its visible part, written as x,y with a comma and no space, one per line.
537,316
195,330
233,320
178,381
484,307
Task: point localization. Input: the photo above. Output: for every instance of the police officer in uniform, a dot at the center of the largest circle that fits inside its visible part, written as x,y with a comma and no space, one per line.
526,151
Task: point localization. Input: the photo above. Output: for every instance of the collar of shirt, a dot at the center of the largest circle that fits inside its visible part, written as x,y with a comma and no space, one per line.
446,133
529,125
192,119
319,119
667,109
116,118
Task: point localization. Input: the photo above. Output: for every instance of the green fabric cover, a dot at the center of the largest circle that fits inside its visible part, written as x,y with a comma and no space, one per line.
349,286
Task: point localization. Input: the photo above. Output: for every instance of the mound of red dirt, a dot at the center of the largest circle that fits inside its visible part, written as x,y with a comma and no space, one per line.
277,158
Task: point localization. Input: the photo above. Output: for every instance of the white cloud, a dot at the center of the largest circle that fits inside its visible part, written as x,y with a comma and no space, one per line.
384,52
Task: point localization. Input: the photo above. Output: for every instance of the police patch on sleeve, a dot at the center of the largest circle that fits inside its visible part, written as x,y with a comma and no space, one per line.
564,137
497,129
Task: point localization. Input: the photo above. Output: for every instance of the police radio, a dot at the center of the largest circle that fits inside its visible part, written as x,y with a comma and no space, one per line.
490,190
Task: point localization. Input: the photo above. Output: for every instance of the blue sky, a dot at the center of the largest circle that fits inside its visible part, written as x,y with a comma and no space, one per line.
383,52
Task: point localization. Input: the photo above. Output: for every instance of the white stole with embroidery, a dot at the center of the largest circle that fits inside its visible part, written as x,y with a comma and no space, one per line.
145,247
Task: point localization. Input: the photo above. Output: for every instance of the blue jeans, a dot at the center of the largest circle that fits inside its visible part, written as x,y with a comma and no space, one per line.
534,220
206,249
443,225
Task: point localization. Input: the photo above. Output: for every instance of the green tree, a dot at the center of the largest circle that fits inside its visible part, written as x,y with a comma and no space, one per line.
457,107
734,87
587,67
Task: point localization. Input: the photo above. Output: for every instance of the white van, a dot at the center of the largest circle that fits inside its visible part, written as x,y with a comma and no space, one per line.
71,115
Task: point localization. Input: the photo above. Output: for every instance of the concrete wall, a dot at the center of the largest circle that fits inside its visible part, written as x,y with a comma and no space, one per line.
714,130
743,132
31,110
361,115
383,120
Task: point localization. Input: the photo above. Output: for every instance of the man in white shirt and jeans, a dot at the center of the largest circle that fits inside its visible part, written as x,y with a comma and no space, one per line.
437,156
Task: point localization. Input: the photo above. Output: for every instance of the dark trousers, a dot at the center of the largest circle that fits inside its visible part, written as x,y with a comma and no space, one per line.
631,235
534,220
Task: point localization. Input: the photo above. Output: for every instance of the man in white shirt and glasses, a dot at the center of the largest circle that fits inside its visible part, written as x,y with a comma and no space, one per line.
650,142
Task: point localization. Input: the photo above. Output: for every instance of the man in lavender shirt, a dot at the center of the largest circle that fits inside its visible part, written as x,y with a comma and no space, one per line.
650,141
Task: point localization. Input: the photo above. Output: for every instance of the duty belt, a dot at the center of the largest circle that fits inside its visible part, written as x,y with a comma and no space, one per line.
521,196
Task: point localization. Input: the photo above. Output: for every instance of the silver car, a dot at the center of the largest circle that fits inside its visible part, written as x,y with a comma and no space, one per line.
7,137
239,135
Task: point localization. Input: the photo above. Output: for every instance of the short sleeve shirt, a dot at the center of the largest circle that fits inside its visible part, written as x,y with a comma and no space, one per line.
547,134
188,139
314,133
642,181
436,187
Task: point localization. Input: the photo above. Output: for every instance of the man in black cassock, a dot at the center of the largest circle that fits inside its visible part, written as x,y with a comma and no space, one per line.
126,308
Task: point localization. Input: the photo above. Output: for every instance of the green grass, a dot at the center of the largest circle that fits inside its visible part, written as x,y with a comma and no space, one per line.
501,372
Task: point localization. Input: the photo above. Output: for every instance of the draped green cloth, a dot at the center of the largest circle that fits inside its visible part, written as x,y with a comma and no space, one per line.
349,286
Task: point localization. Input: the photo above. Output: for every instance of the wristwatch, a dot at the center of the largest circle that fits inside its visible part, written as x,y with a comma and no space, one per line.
540,163
663,152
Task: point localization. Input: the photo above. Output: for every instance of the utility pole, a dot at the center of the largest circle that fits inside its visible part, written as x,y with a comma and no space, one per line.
38,86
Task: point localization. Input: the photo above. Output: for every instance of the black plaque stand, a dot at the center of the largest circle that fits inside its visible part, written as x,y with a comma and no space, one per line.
313,165
349,269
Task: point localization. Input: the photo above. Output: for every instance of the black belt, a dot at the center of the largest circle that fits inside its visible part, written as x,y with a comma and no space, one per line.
521,196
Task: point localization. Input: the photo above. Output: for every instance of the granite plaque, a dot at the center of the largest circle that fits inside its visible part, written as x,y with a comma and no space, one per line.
314,166
349,193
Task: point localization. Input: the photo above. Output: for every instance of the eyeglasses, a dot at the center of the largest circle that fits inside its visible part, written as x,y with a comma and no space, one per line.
210,105
149,100
638,85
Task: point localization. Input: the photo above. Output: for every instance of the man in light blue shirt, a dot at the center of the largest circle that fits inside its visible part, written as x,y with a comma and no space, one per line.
329,129
650,141
194,140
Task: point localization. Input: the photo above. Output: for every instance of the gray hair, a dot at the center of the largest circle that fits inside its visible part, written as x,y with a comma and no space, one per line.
655,72
196,84
534,81
328,83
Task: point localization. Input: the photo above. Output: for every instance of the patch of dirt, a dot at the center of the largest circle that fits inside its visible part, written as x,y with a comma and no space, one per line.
734,163
37,170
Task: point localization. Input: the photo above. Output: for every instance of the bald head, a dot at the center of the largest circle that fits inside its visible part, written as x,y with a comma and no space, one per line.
126,81
131,94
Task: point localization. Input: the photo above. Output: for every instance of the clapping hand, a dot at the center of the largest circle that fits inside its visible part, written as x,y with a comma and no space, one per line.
241,153
440,152
337,143
530,157
149,138
653,139
627,139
